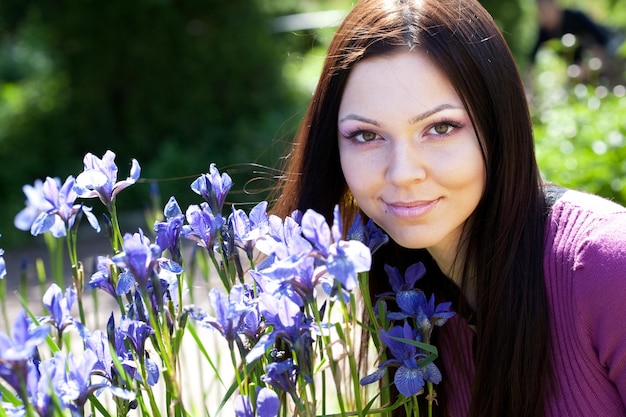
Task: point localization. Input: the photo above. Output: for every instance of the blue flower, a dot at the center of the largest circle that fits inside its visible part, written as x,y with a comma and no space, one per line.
343,259
296,280
61,208
248,228
46,381
59,306
412,301
282,375
136,332
230,312
410,376
98,346
25,339
204,226
407,283
102,278
3,267
289,325
438,314
77,383
140,257
36,203
213,187
98,343
284,238
317,231
267,404
346,259
79,369
369,234
168,232
16,352
99,178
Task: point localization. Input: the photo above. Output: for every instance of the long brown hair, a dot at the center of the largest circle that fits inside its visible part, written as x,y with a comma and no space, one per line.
503,242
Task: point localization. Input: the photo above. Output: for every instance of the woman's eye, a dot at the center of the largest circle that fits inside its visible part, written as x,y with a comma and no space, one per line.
441,129
364,136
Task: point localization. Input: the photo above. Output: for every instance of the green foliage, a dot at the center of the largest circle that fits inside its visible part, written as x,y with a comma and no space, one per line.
580,131
165,82
178,84
518,22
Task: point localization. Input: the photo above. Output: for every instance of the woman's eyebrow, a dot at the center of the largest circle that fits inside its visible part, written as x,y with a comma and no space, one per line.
353,116
412,120
432,111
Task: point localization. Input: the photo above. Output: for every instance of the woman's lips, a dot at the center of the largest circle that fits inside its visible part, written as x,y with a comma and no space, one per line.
410,210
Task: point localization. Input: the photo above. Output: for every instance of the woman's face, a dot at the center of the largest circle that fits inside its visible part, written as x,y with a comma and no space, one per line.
409,152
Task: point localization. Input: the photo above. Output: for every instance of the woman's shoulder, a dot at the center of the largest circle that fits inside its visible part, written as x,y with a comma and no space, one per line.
585,267
588,203
586,213
589,231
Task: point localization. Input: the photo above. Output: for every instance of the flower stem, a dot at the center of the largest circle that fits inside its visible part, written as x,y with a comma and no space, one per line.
117,241
78,275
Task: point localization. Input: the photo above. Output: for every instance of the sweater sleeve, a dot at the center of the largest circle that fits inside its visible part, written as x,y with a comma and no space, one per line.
600,294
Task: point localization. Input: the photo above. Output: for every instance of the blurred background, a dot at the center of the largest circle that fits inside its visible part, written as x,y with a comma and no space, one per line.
178,84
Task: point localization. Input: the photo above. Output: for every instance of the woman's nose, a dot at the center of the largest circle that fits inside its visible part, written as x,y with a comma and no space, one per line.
405,163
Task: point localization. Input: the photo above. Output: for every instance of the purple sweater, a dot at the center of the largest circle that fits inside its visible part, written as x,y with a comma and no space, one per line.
585,273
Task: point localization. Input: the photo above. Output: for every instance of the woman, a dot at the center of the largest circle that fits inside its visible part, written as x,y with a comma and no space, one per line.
420,122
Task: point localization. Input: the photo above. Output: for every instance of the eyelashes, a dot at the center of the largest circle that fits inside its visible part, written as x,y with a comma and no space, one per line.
438,129
450,126
362,136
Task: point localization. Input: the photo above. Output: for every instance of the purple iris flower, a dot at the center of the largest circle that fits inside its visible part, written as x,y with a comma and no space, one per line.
102,277
370,234
248,228
213,187
99,178
98,343
59,306
296,280
140,257
251,323
285,246
79,385
407,282
80,368
410,377
25,339
412,301
47,380
409,298
168,232
36,203
204,226
431,314
289,325
3,266
282,375
346,259
343,259
136,332
230,312
317,231
16,351
284,239
267,404
60,199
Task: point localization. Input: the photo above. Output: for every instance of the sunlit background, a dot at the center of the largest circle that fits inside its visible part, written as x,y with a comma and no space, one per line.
180,84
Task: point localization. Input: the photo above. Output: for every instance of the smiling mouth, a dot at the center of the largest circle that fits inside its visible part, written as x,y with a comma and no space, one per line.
410,210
